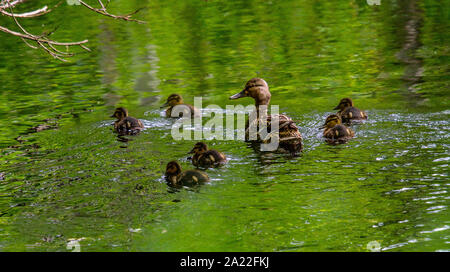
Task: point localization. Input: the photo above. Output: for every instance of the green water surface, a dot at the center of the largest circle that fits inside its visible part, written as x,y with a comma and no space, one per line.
77,181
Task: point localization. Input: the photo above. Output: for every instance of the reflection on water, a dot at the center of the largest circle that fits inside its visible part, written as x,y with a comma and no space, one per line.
78,181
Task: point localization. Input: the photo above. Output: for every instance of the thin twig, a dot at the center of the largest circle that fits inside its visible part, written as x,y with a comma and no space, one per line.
27,43
101,4
34,13
11,4
38,39
43,41
106,13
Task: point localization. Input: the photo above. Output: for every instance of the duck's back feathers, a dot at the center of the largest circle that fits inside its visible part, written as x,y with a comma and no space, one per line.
338,134
290,138
210,158
192,177
352,113
128,125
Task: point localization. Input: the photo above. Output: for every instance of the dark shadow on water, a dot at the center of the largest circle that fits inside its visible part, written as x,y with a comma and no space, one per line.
269,158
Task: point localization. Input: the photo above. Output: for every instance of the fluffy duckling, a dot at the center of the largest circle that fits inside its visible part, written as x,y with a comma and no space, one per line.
289,135
177,178
335,132
126,125
205,158
175,100
347,112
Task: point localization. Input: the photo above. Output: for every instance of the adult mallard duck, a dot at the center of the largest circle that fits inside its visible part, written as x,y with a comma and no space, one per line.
349,113
290,139
177,178
205,158
175,100
335,132
126,125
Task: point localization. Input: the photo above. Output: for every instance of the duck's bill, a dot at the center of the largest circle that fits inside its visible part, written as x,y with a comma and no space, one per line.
336,108
238,95
191,152
112,115
322,126
164,105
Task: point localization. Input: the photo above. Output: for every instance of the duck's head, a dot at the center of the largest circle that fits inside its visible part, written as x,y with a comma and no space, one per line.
173,168
173,100
120,113
344,103
331,121
199,148
257,89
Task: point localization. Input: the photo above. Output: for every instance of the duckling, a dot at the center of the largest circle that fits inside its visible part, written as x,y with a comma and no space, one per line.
347,112
205,158
177,178
126,125
289,136
175,100
335,132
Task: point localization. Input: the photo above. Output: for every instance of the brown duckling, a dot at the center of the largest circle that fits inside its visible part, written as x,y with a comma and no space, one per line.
177,178
349,113
289,135
205,158
175,100
335,132
126,125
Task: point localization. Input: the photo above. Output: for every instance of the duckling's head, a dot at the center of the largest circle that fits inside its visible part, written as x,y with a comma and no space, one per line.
120,113
199,148
173,100
344,103
331,121
173,168
257,89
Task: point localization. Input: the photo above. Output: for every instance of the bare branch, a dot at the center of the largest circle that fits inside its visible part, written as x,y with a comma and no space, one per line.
42,41
27,43
11,4
101,4
103,11
85,47
30,14
53,54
